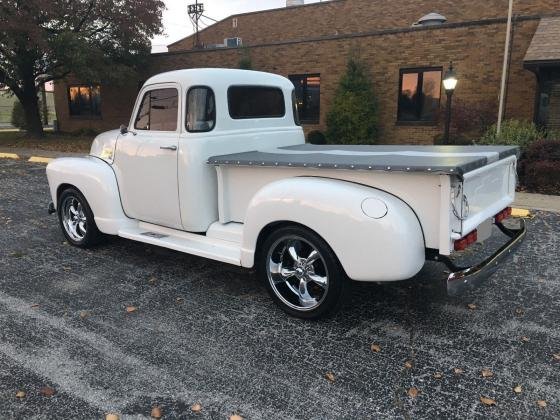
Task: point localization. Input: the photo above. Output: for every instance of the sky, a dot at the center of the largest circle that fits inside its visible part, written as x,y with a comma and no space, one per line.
177,24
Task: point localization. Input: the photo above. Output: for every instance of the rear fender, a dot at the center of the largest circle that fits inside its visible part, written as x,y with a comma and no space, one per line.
96,180
386,244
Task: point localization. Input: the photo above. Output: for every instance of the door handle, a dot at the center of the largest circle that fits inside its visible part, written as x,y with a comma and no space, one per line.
174,148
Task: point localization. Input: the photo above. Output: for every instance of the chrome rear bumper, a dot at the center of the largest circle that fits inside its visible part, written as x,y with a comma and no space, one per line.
462,279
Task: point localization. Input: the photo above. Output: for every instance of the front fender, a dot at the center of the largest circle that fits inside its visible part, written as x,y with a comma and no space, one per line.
386,245
96,181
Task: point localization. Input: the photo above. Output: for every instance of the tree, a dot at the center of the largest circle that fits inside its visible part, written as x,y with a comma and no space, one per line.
352,118
95,40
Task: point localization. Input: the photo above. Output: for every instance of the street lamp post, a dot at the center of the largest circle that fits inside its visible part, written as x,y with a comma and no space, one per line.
449,83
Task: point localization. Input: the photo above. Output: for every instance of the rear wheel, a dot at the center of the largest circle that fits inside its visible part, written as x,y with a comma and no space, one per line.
76,219
301,272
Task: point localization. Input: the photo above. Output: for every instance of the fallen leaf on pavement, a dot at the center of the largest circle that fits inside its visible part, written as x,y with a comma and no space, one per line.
525,339
196,408
235,417
518,389
458,371
487,373
20,394
84,314
152,280
487,401
556,356
47,391
438,375
156,412
35,305
375,348
329,376
519,311
112,416
131,309
471,306
541,403
408,364
413,392
180,300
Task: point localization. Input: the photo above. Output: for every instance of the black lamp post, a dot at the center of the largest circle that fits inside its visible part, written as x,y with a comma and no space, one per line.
449,83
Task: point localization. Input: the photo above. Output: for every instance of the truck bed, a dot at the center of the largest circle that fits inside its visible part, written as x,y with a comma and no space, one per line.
451,160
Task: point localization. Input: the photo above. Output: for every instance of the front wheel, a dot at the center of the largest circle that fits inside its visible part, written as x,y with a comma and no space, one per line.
301,272
76,219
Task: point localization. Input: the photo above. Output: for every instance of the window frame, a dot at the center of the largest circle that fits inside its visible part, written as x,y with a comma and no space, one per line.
187,109
140,99
260,117
84,116
420,71
309,121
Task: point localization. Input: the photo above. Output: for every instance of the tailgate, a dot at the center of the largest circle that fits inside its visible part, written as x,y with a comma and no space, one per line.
485,192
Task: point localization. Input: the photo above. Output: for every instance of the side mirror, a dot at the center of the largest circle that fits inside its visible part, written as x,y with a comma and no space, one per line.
124,129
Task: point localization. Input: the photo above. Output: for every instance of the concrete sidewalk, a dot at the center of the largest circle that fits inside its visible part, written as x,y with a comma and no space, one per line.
523,200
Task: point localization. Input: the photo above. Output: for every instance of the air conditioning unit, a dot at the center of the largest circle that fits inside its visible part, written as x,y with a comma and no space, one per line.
233,42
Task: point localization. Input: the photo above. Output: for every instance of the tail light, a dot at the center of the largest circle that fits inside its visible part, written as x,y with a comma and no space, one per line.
468,240
503,215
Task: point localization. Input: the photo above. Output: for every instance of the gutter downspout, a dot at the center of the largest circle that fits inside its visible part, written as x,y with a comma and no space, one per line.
505,70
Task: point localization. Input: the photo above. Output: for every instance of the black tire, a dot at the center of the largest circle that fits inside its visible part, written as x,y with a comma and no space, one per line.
78,237
276,259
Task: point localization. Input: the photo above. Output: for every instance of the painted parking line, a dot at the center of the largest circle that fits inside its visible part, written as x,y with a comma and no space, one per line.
38,159
9,156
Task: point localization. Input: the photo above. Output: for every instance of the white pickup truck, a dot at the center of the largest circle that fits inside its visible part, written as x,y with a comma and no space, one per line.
214,163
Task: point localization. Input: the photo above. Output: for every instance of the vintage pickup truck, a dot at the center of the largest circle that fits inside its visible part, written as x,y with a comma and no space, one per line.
214,163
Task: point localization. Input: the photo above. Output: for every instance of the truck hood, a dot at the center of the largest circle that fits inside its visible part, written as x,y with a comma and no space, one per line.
103,145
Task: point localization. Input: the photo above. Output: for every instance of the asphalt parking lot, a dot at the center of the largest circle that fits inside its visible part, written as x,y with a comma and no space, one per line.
207,332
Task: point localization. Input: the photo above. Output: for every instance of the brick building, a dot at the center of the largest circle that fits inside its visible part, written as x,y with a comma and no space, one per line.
311,44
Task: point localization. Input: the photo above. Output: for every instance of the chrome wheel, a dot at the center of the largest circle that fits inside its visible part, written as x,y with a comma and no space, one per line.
74,219
297,273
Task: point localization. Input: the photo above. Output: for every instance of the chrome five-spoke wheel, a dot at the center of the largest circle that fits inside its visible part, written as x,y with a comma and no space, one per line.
74,219
297,273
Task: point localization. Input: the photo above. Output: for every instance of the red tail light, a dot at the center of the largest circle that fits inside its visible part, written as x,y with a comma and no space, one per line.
504,214
463,243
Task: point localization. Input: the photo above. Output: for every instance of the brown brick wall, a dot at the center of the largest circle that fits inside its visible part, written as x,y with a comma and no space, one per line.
477,52
354,16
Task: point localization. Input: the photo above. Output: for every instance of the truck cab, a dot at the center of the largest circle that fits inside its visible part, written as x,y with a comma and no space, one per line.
213,163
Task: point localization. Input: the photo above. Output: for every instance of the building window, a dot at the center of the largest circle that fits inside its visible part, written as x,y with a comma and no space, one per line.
158,111
84,101
308,95
419,95
256,102
234,22
201,109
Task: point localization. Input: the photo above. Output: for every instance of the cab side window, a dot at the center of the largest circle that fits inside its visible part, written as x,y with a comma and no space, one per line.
158,110
201,109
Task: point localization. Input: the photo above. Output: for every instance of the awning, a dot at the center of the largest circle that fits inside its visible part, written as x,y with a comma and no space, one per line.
545,46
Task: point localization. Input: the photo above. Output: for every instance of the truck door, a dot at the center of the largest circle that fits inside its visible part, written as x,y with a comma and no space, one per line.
146,158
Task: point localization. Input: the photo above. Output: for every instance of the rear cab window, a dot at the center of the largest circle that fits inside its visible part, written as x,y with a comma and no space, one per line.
256,102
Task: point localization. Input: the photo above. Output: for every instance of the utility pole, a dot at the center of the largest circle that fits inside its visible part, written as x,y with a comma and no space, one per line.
505,70
195,12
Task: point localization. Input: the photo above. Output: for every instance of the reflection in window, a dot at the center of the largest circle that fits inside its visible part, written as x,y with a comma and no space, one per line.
201,110
256,102
308,95
419,96
158,111
84,100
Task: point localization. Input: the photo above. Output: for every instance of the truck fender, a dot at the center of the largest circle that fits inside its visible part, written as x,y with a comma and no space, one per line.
97,182
375,235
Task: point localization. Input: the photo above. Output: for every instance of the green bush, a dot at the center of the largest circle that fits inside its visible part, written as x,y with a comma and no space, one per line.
352,118
18,116
515,133
539,169
316,137
454,139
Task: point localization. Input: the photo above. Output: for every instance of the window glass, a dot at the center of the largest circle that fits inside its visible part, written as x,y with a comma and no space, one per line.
308,94
420,94
84,100
158,111
295,108
201,109
256,102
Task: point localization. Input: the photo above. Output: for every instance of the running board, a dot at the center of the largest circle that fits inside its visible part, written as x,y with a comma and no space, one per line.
189,243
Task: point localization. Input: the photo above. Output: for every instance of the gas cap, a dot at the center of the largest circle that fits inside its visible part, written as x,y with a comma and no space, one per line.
374,208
